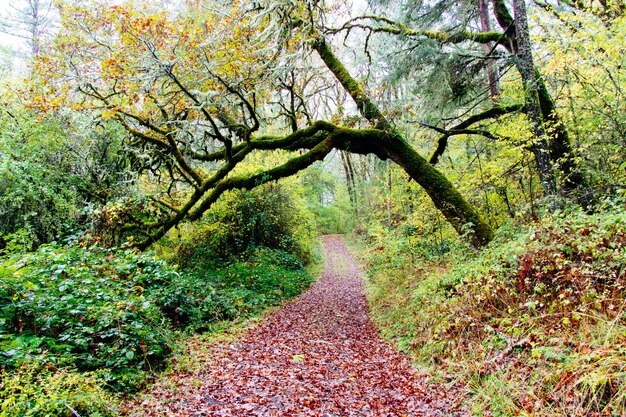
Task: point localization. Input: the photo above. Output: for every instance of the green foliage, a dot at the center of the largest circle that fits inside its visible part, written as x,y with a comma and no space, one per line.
115,312
593,81
85,307
335,219
536,318
52,170
267,216
107,224
247,284
327,201
35,201
38,391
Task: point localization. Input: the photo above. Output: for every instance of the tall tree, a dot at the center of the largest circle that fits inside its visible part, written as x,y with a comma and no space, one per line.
455,23
492,70
195,89
30,20
531,81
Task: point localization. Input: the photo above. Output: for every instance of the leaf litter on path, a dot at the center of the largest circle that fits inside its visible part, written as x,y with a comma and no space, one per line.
320,355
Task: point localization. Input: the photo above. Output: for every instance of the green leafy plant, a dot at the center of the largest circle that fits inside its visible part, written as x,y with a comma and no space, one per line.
115,311
34,390
84,307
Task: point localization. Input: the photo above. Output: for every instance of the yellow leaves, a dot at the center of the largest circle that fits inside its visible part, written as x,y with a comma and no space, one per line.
109,113
110,67
119,57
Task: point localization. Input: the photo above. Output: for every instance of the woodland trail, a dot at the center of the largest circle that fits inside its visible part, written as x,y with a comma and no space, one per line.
320,355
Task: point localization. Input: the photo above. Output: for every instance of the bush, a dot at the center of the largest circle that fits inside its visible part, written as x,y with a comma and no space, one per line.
35,201
259,278
115,311
534,324
50,174
88,308
33,390
242,220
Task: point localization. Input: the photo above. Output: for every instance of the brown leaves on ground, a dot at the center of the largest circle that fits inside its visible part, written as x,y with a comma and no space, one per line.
318,356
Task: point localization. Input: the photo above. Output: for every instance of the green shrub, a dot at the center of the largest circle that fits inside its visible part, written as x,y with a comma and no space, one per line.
89,308
242,220
33,390
256,279
53,169
115,311
35,201
534,323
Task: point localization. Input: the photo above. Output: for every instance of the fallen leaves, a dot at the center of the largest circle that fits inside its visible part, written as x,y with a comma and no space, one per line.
318,356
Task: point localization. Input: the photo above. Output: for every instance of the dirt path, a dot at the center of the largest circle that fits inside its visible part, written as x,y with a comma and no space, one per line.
320,355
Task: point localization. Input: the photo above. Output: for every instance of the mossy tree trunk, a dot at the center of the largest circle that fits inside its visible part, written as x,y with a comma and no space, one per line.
531,81
445,196
540,104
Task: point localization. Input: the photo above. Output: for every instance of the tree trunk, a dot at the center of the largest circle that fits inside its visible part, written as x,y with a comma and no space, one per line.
350,181
492,73
559,145
531,81
459,213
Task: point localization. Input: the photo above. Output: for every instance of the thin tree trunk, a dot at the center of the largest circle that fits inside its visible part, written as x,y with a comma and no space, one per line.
350,182
531,81
492,71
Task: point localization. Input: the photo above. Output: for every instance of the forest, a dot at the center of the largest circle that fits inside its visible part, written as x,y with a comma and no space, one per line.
313,208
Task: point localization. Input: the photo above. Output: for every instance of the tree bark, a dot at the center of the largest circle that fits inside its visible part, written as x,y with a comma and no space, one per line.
531,81
558,145
459,213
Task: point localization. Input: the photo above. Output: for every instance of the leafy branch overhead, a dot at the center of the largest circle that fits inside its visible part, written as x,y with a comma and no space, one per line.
380,24
552,145
196,90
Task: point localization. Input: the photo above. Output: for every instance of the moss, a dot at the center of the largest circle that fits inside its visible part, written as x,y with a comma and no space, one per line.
365,105
443,193
458,37
289,168
442,36
392,144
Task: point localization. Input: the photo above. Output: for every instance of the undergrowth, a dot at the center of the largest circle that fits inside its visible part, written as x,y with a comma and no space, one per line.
80,322
532,325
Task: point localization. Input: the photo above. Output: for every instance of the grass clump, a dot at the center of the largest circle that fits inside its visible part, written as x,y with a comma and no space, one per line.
533,325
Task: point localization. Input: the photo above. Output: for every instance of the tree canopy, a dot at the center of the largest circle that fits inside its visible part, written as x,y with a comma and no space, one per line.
200,89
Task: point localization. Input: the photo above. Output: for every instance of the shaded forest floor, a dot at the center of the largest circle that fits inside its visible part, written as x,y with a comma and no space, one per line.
320,355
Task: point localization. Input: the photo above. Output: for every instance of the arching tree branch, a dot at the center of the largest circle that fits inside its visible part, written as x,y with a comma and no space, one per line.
373,23
443,194
462,128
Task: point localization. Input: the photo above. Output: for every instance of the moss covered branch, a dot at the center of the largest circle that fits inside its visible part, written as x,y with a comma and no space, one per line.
383,25
462,128
459,213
